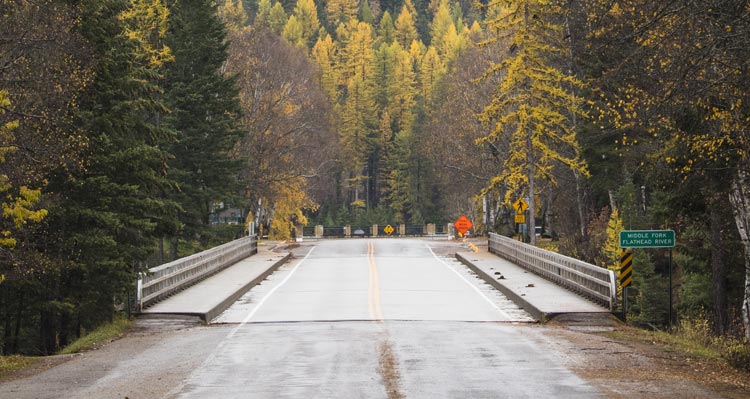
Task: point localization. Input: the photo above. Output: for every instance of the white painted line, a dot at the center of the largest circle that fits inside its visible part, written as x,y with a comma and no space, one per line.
474,287
268,295
176,390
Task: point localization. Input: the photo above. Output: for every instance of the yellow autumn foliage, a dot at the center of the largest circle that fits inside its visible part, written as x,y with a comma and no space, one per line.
612,244
146,24
19,210
290,199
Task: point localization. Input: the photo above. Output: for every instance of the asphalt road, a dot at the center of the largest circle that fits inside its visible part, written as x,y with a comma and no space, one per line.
379,318
375,319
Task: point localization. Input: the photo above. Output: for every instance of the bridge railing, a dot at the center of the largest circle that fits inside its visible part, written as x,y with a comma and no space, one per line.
169,278
589,280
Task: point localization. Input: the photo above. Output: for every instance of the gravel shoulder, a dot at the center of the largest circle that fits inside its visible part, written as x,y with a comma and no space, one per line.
623,363
147,362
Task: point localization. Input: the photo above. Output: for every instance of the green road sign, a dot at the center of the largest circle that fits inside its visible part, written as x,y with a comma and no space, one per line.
646,239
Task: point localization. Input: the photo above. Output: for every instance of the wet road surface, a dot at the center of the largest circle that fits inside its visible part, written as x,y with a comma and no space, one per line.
385,318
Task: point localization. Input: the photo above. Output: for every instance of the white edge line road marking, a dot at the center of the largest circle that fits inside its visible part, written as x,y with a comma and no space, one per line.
176,390
507,316
268,295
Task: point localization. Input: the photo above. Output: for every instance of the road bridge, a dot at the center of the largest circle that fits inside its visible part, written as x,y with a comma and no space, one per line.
366,318
543,283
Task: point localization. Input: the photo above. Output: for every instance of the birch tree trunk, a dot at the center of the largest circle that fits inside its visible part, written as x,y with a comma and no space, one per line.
739,197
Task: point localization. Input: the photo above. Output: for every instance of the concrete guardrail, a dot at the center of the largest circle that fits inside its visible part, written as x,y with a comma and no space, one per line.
589,280
169,278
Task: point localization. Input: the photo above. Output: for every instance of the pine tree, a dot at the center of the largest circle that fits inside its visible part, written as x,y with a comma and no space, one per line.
399,185
307,15
439,27
106,218
263,14
277,18
341,11
384,63
533,103
366,14
431,71
324,53
233,14
402,91
406,30
359,113
205,109
386,30
293,32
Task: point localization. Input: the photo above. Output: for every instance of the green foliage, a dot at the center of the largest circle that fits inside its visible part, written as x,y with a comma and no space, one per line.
123,119
204,111
101,335
649,292
737,354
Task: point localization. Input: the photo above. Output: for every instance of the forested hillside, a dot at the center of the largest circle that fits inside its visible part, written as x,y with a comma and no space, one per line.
128,125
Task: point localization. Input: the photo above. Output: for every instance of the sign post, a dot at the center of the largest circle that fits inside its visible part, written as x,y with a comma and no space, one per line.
651,239
625,276
520,206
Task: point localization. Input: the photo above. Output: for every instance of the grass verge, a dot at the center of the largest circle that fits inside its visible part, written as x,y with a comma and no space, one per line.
694,338
99,336
13,363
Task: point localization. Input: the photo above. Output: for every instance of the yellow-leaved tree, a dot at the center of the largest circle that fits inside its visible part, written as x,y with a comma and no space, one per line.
290,198
534,102
146,24
612,244
17,209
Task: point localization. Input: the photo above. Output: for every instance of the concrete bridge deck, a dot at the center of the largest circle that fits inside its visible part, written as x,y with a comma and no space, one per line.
542,298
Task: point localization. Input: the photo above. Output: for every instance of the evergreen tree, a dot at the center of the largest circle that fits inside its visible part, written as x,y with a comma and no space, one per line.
406,30
384,62
439,27
386,30
431,72
307,15
264,13
293,33
341,11
204,113
324,53
359,115
233,14
402,91
106,218
366,13
277,18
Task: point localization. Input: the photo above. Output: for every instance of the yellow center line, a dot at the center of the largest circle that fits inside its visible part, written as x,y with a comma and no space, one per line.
373,293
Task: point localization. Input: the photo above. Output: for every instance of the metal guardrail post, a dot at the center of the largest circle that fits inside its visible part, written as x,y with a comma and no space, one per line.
139,293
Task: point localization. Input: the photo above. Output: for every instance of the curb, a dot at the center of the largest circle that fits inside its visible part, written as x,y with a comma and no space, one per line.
535,312
233,297
229,300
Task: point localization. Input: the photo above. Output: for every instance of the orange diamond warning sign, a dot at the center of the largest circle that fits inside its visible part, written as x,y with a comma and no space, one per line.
463,224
